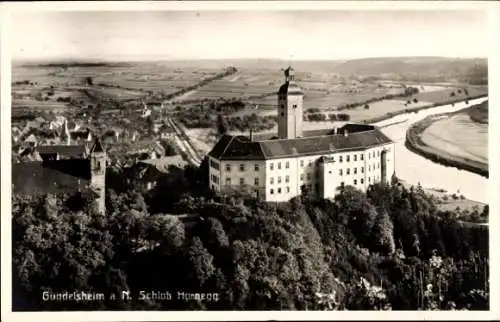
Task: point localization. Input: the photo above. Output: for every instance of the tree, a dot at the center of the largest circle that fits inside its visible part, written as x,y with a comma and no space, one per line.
168,230
201,262
383,231
89,81
222,125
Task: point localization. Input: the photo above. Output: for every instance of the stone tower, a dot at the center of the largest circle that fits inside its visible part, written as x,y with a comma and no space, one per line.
97,156
290,107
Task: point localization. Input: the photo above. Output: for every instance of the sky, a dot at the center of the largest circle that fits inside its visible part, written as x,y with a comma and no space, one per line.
301,35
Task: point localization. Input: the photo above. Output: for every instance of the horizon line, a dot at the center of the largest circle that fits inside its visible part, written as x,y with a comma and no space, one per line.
151,59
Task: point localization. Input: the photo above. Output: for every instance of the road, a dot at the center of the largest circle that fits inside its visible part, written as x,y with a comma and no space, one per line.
184,143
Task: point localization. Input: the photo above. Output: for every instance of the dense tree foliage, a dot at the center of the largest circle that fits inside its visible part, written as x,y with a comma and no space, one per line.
388,248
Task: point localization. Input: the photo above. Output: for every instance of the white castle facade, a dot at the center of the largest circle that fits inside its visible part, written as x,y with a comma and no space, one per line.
296,161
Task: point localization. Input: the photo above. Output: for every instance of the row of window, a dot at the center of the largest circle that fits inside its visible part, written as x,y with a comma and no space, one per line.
242,167
278,165
271,180
215,178
308,176
287,163
256,181
279,190
355,170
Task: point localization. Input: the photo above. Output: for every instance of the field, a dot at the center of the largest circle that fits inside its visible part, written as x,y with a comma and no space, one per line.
458,136
135,77
444,95
322,90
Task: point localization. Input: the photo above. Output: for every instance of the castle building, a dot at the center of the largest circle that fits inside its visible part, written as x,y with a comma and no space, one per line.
278,168
63,170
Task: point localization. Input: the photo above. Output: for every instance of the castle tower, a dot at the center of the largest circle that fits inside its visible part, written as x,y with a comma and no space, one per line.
290,107
98,173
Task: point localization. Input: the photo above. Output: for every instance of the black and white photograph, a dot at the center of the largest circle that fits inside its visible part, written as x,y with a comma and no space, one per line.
265,158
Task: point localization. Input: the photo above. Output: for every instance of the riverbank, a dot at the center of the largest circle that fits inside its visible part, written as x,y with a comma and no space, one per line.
414,143
468,211
418,109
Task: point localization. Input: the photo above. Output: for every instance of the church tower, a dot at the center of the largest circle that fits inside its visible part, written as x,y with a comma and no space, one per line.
290,106
98,173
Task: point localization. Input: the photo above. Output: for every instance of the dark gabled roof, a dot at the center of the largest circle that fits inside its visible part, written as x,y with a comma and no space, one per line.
322,144
219,148
70,151
310,133
80,134
50,176
97,146
237,148
359,137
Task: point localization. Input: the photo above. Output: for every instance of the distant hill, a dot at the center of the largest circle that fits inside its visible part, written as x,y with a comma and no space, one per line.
409,65
432,69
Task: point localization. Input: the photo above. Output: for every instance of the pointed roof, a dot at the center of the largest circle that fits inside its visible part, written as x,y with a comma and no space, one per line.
97,146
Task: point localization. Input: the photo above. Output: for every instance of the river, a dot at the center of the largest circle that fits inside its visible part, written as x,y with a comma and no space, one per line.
414,169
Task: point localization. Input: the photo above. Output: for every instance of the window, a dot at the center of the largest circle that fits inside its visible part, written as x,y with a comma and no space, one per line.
287,189
256,167
308,176
294,105
310,162
282,114
316,187
279,190
362,169
256,181
340,172
302,177
369,179
347,158
228,181
287,178
362,180
373,154
242,167
378,153
342,184
355,181
378,166
301,163
369,168
361,156
271,180
279,165
355,170
369,156
340,158
355,157
228,167
242,181
287,165
271,166
348,171
271,191
279,179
